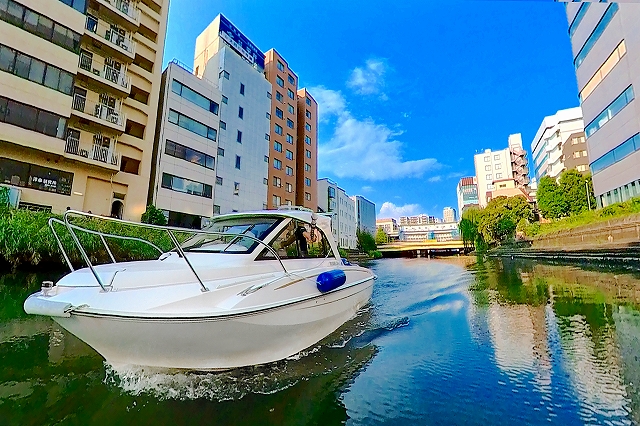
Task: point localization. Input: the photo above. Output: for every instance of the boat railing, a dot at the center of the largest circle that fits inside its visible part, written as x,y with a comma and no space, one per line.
170,230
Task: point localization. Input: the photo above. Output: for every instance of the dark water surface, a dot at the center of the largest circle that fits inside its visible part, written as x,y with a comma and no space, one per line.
443,342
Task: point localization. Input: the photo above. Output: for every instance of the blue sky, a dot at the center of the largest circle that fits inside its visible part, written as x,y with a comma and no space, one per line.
408,91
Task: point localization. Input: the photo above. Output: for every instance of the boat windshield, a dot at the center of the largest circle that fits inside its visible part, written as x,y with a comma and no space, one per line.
256,227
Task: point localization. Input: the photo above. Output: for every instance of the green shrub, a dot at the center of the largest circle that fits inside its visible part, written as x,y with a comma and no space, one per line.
375,254
343,252
153,216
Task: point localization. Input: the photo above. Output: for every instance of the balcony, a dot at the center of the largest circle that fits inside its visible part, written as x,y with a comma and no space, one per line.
101,114
91,152
122,11
105,73
110,39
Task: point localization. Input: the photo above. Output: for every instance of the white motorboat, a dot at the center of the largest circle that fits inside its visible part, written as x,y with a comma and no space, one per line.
250,288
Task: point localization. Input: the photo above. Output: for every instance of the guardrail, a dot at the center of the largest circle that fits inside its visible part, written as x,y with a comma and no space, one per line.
71,228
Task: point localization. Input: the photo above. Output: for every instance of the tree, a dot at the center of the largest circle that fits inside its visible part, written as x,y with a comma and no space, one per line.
366,242
497,222
552,201
381,237
575,186
153,216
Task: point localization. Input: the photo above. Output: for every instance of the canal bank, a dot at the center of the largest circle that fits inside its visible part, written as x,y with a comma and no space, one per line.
451,341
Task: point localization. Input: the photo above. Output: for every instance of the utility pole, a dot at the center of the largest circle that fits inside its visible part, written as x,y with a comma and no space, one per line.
586,187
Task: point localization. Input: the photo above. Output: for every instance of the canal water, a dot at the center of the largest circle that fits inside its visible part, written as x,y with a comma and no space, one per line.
453,341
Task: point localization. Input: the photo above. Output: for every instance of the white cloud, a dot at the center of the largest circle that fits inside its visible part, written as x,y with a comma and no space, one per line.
454,175
389,210
367,189
362,148
369,79
435,178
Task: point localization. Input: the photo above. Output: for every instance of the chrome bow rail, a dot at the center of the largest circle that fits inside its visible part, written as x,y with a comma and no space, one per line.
72,228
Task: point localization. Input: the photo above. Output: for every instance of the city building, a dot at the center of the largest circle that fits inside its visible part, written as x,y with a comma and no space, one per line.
559,144
508,188
183,171
421,219
293,138
390,227
365,214
449,215
432,231
508,163
467,192
333,199
606,51
79,85
225,56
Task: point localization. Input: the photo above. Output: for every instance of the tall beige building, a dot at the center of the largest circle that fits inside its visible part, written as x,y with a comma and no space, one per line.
79,85
606,50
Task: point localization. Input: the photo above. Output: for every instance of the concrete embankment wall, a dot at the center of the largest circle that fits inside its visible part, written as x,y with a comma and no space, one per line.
615,233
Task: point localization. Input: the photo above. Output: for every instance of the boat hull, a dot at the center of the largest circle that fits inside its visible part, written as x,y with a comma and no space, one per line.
219,342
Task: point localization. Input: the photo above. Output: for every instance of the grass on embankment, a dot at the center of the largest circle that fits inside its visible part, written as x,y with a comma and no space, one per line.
585,218
26,239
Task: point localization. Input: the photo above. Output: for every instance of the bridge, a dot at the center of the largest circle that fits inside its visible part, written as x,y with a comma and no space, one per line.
424,248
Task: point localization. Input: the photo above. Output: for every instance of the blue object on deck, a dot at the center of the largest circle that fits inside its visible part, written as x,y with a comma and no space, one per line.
345,262
330,280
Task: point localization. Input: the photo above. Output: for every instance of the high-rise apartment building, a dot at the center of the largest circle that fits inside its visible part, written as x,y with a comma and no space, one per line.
293,138
559,144
508,163
365,214
79,83
606,51
449,215
333,199
225,56
467,192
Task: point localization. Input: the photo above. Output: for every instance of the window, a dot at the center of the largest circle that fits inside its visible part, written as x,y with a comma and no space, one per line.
177,150
496,157
489,187
279,113
611,111
236,188
307,196
604,70
289,139
291,109
581,168
487,168
277,182
266,182
289,155
276,201
216,209
279,96
268,116
497,166
584,153
279,81
307,167
242,89
307,153
39,25
498,175
129,165
194,97
616,154
308,101
289,187
27,175
218,180
489,177
487,158
269,95
267,136
278,129
307,181
223,125
238,162
186,186
221,152
224,74
277,164
266,158
307,113
307,140
578,18
240,112
291,79
277,146
280,66
192,125
289,123
239,137
595,35
31,118
225,100
291,94
32,69
307,126
289,171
